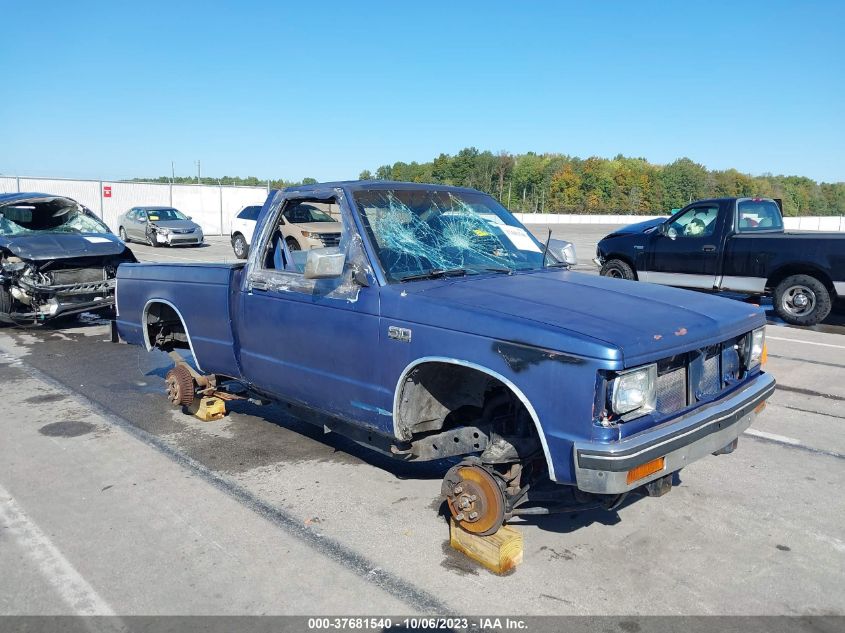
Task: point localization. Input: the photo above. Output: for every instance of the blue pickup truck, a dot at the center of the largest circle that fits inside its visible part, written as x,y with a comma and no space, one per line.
439,328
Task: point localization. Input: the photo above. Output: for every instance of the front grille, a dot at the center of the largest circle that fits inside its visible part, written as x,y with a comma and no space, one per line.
76,275
330,239
702,374
710,382
190,240
672,390
181,231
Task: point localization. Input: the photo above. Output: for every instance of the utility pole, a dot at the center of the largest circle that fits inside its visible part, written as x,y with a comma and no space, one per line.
172,171
199,175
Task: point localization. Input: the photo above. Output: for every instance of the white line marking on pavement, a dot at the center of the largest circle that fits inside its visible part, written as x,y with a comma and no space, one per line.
56,569
773,437
838,545
795,340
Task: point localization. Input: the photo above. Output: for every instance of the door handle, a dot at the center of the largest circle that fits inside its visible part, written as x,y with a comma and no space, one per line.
708,248
257,285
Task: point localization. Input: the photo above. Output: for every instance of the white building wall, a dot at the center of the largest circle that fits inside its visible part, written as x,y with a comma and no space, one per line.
210,206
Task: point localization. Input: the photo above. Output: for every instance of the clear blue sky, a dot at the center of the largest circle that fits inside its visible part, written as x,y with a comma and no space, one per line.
326,89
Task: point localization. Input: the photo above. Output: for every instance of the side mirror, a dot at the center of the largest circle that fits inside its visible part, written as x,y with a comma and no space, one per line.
189,217
324,263
668,230
563,251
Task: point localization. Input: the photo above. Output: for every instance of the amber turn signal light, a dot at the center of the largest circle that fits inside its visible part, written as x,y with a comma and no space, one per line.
644,470
765,355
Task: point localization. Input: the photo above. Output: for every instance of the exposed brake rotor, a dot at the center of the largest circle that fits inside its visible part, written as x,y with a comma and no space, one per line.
475,498
180,386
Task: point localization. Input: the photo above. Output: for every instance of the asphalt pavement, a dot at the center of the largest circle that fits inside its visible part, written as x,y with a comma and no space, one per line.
111,501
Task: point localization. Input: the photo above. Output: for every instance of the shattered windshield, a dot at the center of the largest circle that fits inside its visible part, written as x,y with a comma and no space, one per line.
423,233
52,216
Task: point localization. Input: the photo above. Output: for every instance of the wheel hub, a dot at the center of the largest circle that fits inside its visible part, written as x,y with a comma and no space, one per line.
799,300
475,498
180,386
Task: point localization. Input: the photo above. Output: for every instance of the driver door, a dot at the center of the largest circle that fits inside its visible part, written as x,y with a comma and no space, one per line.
312,341
685,250
138,226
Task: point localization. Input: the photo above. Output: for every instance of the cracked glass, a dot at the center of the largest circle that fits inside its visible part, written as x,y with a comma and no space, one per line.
424,233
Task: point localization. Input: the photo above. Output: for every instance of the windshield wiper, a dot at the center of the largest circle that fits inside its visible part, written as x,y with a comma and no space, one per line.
436,273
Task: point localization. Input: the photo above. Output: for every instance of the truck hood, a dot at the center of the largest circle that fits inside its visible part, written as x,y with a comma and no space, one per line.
572,312
39,246
638,227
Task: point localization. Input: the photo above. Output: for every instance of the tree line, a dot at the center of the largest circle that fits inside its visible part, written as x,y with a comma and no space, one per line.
558,183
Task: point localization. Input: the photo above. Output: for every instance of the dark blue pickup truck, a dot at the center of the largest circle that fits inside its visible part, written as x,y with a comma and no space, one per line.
737,245
438,327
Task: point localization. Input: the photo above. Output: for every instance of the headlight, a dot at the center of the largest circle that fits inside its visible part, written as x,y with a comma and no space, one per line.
634,390
311,235
756,348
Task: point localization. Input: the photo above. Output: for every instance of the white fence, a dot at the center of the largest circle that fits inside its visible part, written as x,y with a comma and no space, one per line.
210,206
213,206
828,223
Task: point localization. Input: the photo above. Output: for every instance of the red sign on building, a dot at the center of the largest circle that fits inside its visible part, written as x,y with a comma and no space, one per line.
107,191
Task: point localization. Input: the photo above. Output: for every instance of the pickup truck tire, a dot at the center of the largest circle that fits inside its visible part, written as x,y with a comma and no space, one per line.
618,269
293,245
240,246
802,300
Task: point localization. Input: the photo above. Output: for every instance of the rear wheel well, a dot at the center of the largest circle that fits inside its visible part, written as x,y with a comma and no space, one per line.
165,329
437,397
799,269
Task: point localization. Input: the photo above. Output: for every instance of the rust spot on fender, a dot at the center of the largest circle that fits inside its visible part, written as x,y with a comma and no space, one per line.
657,337
681,331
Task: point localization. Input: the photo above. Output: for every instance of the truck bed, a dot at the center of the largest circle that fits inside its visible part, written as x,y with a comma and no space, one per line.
200,294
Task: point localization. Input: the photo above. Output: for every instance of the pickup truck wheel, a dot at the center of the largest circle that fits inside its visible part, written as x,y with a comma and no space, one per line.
802,300
618,269
293,245
180,386
240,247
475,498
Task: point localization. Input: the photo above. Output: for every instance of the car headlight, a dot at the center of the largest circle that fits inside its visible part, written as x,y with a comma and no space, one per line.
634,390
311,235
755,354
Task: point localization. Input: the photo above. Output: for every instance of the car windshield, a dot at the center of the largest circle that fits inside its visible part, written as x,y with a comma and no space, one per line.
51,216
423,233
163,215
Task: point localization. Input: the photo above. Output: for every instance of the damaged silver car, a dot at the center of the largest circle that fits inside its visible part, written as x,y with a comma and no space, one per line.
56,258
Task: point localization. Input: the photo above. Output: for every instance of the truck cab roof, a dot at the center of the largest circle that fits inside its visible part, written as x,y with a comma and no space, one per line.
360,185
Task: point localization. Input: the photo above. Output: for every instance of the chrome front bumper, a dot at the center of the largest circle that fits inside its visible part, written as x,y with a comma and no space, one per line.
598,262
602,468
